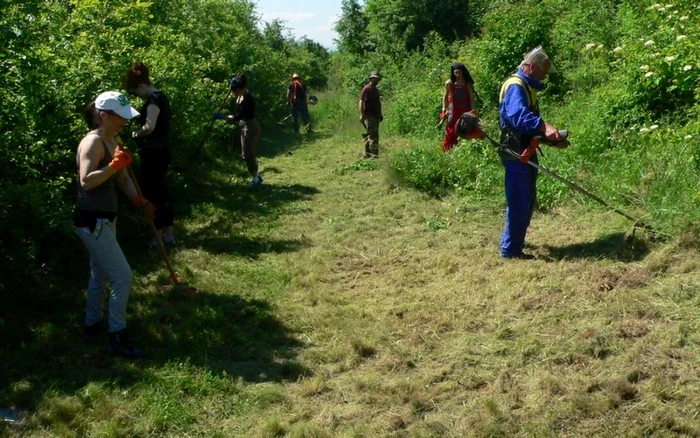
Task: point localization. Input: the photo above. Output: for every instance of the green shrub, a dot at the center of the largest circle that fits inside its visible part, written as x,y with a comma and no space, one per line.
58,56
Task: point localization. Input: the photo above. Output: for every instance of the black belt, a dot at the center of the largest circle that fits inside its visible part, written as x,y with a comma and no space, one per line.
87,218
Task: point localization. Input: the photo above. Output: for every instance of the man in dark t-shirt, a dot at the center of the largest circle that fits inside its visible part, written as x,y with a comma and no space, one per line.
298,100
371,114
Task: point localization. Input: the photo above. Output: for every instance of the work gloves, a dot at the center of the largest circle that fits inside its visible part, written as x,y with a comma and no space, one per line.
122,158
147,209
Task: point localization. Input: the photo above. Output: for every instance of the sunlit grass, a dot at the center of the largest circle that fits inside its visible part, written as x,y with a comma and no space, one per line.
335,302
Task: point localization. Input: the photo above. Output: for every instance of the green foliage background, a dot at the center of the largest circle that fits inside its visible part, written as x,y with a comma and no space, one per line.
57,56
627,89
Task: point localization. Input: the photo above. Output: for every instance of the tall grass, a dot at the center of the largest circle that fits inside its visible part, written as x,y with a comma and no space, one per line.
627,90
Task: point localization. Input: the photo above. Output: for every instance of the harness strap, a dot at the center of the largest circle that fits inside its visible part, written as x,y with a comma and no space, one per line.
296,84
529,91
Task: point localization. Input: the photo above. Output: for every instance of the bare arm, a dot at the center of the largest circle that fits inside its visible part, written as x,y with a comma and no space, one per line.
550,131
472,98
152,113
126,184
90,153
446,96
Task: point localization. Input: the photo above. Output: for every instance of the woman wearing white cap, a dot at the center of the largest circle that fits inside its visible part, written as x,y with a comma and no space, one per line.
101,167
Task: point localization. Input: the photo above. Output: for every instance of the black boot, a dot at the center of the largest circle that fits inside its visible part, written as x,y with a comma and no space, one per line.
93,332
119,345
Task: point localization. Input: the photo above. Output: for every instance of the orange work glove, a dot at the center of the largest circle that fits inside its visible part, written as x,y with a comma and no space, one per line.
122,158
147,208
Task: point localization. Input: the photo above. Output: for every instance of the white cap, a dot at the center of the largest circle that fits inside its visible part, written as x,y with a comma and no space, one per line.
539,57
117,102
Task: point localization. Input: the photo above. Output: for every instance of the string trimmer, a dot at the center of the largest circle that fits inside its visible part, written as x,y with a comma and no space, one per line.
211,126
468,127
281,122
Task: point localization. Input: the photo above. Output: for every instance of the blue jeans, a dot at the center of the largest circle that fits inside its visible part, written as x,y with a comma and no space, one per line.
521,194
107,265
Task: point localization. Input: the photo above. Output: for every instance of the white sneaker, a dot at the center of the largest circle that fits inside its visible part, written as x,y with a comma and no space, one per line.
256,181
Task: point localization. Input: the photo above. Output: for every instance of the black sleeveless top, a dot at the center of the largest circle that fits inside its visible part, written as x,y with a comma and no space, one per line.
160,137
98,202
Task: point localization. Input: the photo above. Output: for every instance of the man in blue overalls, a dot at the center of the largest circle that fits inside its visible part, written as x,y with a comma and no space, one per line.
520,121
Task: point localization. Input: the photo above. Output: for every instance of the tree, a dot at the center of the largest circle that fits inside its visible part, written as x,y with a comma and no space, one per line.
403,24
352,28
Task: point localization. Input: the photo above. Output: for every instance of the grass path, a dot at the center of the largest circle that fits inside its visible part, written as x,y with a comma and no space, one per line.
335,303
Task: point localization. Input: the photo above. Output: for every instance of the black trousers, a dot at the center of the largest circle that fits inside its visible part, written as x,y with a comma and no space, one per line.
300,109
154,184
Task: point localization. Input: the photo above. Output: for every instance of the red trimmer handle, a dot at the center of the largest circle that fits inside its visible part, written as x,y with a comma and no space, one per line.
541,139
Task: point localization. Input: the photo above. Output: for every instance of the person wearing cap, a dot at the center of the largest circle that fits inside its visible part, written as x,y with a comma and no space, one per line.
250,128
371,114
153,140
101,168
520,121
298,99
457,100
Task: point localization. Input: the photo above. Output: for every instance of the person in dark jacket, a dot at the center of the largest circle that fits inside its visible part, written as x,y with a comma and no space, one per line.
250,128
153,141
520,121
371,114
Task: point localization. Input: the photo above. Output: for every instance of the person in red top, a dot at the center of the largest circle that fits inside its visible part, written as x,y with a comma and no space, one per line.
298,99
371,114
457,100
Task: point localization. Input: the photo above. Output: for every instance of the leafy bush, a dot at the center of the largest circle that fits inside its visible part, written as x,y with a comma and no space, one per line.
57,56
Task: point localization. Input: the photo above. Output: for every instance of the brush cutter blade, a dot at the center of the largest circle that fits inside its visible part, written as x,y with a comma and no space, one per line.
283,121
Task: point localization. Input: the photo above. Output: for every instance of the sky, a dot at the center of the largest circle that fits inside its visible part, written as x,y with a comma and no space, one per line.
311,18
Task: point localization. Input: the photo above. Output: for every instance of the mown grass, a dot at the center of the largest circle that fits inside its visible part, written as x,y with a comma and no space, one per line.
336,302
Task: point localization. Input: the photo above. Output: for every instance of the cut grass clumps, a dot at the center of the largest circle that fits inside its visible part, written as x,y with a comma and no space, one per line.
357,166
308,430
272,429
362,349
313,387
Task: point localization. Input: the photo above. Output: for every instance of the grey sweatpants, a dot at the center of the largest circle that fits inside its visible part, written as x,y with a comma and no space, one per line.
107,265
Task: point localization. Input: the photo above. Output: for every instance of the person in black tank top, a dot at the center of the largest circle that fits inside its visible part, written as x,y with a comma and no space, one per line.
101,169
153,140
